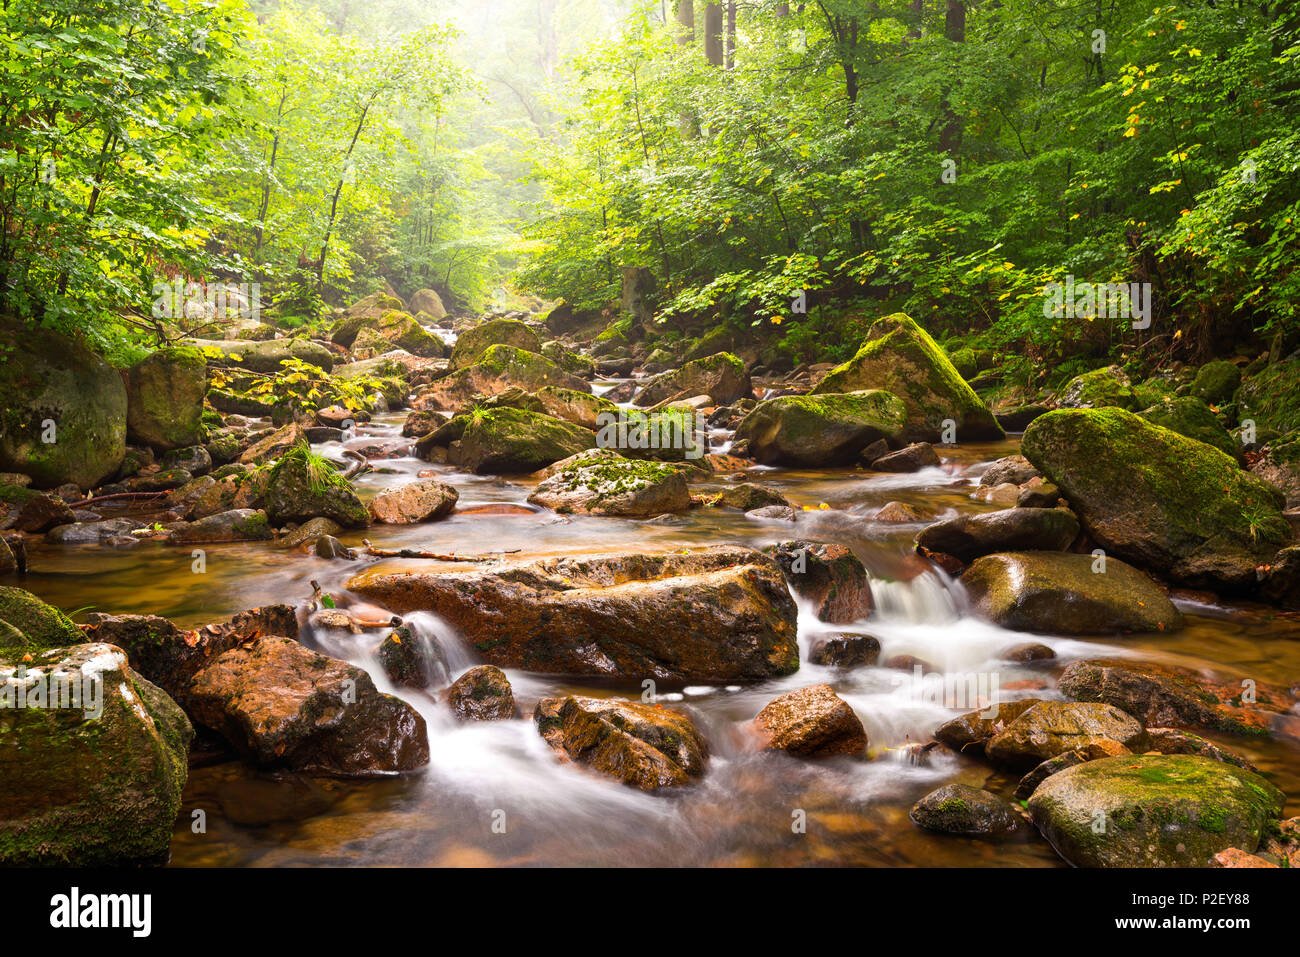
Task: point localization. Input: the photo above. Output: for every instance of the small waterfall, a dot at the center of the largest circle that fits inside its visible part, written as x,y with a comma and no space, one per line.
929,598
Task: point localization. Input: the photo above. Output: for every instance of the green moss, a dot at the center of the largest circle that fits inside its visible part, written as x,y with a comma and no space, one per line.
42,626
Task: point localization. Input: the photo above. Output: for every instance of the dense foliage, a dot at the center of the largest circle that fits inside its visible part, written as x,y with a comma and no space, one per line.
951,160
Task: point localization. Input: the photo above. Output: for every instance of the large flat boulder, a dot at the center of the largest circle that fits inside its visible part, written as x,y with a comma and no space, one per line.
967,537
472,343
900,357
1158,499
266,355
1063,593
717,613
616,486
499,368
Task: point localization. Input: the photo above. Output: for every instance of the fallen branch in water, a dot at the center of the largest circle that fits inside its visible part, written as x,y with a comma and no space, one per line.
436,556
362,464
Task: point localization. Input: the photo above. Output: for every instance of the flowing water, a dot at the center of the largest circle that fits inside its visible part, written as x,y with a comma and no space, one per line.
494,794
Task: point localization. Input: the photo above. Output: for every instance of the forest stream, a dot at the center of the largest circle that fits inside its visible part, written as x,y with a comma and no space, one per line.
493,792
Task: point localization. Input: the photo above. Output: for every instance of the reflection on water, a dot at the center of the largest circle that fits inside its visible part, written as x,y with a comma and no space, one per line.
493,793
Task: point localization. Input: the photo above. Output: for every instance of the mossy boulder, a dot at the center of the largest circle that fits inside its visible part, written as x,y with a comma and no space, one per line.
568,360
1051,728
1215,382
1153,811
264,356
722,377
900,357
1158,499
362,314
1191,417
615,487
472,343
513,441
33,625
429,302
962,809
302,486
164,398
1099,389
1271,398
53,388
820,430
1067,594
92,786
403,332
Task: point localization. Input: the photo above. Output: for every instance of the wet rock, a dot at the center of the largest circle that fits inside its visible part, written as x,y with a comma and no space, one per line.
241,490
272,798
1192,418
32,624
1009,530
1215,382
829,576
266,356
773,513
236,525
969,733
472,343
1281,584
193,459
721,612
1027,652
301,486
1060,593
844,650
1188,512
96,785
282,705
169,656
1045,495
1013,469
917,456
722,377
482,694
327,546
1157,811
513,441
900,513
816,431
418,502
1163,695
812,722
419,424
899,356
1173,741
615,486
164,399
747,497
273,445
91,533
1050,728
1017,418
338,417
1100,388
39,513
961,809
410,662
1236,857
1029,783
645,746
47,378
309,531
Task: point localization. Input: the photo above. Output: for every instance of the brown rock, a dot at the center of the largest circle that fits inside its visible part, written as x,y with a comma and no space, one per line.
482,694
418,502
812,722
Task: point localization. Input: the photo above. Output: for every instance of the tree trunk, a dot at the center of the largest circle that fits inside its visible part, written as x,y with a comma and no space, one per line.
954,28
731,35
713,33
